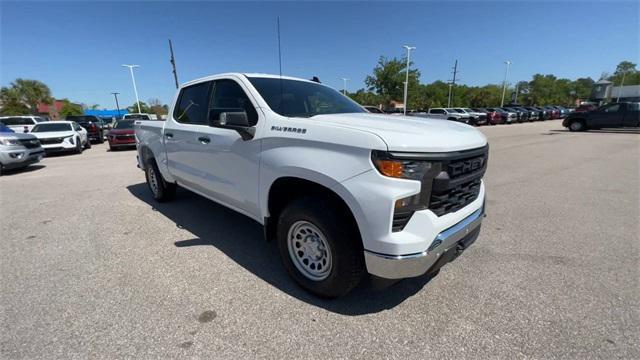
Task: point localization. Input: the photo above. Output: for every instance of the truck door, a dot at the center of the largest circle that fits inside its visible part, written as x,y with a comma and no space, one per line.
214,161
632,115
182,130
607,116
231,171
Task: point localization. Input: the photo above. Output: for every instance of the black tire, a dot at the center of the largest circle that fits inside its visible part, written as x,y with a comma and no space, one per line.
577,125
79,148
100,137
345,246
111,148
88,144
1,169
160,189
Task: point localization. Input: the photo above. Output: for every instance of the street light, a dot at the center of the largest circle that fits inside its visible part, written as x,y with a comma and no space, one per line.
115,94
344,91
135,90
406,82
504,84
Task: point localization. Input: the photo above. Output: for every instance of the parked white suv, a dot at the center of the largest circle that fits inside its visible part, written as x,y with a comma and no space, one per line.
62,136
22,124
341,190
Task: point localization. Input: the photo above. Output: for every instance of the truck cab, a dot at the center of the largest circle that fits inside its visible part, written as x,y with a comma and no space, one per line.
343,192
613,115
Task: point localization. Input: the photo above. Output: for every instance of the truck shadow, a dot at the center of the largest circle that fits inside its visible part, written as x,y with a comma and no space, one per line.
241,239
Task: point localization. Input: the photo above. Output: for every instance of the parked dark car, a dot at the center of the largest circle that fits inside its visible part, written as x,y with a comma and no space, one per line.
607,116
93,124
493,117
523,115
553,112
532,115
507,117
542,113
122,135
563,111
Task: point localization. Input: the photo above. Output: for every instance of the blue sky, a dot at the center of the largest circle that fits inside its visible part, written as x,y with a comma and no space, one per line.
77,47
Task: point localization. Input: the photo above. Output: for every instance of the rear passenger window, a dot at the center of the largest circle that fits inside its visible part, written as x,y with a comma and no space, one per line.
192,104
228,96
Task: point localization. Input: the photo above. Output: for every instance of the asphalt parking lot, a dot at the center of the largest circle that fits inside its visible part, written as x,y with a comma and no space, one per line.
92,267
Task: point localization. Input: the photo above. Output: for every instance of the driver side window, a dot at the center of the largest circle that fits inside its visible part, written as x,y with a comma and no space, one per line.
612,108
228,96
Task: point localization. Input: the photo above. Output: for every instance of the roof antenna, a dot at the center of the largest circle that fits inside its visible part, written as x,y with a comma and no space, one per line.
280,66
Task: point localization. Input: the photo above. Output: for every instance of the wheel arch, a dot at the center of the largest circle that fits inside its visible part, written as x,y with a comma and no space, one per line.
285,189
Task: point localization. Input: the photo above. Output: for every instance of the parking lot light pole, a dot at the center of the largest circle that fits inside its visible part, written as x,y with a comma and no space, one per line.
135,90
115,94
504,83
406,81
344,88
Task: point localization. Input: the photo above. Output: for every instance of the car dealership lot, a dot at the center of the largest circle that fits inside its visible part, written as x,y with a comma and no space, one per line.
91,266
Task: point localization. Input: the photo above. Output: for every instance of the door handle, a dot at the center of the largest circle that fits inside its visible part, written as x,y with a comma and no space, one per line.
168,135
204,139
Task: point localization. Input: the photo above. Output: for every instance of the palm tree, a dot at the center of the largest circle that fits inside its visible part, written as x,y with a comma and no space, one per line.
24,95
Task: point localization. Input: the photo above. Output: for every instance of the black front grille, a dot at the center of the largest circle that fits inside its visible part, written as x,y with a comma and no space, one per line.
455,198
51,141
30,143
458,184
125,137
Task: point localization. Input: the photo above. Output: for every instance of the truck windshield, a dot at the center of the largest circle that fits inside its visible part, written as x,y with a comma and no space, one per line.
294,98
52,126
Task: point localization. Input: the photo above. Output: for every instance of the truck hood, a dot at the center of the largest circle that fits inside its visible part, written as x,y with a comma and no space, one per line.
405,133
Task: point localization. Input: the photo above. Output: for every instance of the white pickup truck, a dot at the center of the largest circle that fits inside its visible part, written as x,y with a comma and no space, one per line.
342,191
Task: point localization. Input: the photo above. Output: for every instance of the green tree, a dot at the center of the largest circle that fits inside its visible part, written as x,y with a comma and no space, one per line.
388,78
364,97
68,108
25,93
628,70
144,108
11,103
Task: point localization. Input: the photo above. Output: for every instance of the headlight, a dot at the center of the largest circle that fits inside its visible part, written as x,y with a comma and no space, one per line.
400,168
10,142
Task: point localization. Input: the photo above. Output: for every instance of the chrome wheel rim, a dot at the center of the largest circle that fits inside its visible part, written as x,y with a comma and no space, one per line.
153,181
309,250
575,125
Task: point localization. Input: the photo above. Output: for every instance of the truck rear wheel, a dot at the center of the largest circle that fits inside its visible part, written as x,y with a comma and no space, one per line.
160,189
319,248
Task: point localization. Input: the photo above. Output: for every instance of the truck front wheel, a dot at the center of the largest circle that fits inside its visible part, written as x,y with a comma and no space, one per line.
160,189
576,125
319,247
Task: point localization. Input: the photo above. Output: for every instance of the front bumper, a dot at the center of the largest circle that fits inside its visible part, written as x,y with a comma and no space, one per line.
444,248
59,147
13,159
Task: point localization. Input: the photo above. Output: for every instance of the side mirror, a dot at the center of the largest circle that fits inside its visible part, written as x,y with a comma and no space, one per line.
236,118
238,121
